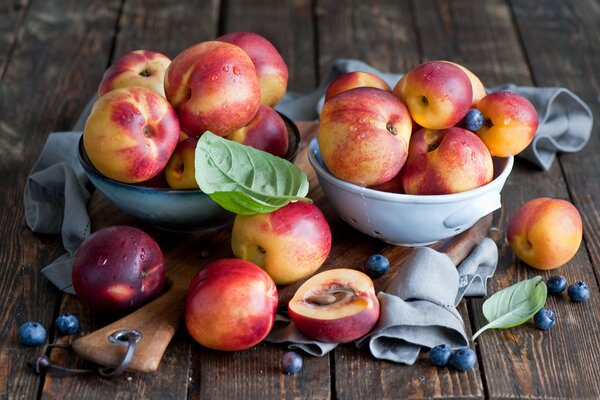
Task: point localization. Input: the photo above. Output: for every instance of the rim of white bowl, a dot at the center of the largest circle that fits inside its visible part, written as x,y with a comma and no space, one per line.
322,171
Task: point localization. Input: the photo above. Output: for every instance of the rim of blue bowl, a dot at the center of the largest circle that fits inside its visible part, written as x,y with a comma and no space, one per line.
293,148
322,171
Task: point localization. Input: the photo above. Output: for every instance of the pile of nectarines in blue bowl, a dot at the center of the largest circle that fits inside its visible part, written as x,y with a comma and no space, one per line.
420,162
140,139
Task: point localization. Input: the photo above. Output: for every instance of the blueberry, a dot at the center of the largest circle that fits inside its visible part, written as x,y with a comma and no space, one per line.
67,324
544,319
556,284
440,355
578,292
473,121
32,334
463,359
291,362
376,266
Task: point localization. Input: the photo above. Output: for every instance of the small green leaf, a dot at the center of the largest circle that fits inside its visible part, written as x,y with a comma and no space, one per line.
514,305
245,180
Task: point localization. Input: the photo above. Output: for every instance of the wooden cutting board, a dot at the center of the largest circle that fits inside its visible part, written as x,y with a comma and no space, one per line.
186,254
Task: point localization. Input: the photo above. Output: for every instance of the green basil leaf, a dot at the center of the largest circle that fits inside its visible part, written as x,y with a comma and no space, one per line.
245,180
514,305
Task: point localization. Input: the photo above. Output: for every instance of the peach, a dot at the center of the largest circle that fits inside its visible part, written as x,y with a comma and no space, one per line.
438,94
351,80
138,68
452,160
510,123
180,171
231,305
363,135
394,185
271,69
213,86
545,232
478,88
267,131
335,306
289,244
130,134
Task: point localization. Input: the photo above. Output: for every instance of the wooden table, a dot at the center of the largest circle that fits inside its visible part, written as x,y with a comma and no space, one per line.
52,55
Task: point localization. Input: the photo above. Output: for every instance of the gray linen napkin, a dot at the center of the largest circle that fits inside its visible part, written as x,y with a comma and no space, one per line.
56,196
565,121
417,308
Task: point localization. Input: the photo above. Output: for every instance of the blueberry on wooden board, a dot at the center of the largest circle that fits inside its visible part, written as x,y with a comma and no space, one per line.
67,324
376,266
291,362
556,284
463,359
32,334
440,355
579,292
544,319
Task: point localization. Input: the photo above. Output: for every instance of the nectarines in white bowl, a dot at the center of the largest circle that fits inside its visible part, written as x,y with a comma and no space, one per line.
178,210
409,220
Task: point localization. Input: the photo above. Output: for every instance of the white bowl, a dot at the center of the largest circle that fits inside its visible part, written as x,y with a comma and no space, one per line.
409,220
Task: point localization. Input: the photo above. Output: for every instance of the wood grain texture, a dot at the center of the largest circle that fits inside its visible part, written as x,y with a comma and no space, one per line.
519,362
288,25
52,56
380,33
11,16
562,41
54,91
168,27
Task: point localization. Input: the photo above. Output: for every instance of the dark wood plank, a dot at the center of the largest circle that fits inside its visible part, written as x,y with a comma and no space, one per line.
11,16
167,27
521,362
44,87
562,41
382,34
288,25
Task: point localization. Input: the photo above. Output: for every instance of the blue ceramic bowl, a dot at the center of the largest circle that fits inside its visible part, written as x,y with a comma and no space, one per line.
170,209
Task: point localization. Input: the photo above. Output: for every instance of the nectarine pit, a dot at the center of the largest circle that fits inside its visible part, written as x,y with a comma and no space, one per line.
333,296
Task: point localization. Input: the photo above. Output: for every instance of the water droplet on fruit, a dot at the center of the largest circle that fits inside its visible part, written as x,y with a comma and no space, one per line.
214,77
102,260
236,70
226,68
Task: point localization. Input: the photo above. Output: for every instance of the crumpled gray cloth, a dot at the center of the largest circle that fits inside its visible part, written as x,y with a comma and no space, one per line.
56,197
565,121
417,309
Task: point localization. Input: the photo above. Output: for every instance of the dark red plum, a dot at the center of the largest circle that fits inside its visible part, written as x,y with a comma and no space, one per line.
118,268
